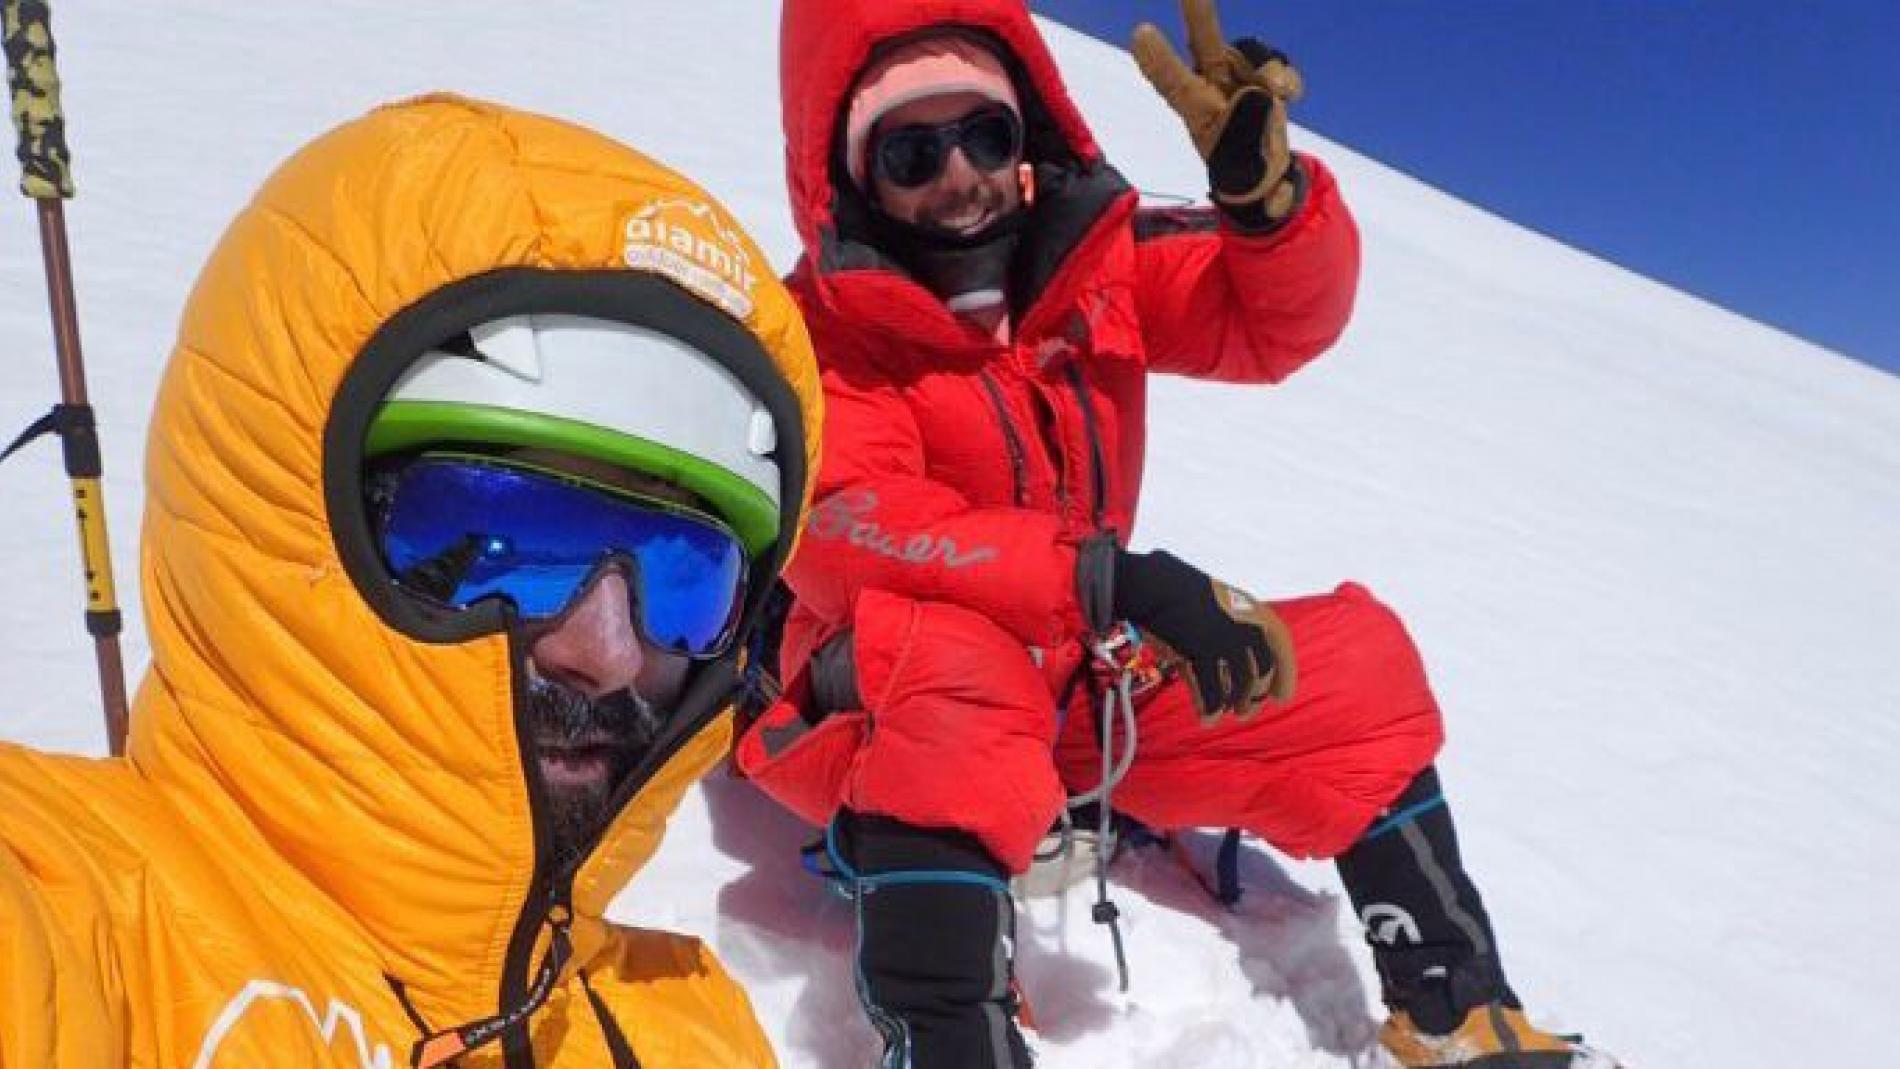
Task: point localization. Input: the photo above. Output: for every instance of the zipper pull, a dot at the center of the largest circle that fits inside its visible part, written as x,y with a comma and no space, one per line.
449,1044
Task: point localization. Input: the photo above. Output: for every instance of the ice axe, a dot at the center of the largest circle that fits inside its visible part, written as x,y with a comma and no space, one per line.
46,177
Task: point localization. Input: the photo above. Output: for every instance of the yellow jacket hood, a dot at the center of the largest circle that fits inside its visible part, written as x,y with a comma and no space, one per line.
352,762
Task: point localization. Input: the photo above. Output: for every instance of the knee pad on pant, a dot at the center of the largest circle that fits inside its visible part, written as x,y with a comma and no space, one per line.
936,929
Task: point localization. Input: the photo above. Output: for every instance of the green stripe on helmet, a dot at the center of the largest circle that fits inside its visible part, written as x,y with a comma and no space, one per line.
404,425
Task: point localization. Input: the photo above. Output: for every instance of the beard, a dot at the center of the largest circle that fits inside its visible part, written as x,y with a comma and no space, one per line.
950,264
584,747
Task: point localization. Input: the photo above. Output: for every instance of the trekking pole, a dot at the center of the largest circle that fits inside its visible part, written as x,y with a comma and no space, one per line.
46,177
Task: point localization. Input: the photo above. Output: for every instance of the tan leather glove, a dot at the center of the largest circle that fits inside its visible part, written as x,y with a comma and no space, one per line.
1279,681
1234,102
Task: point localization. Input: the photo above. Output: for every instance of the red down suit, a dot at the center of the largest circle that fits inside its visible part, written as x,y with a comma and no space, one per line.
963,479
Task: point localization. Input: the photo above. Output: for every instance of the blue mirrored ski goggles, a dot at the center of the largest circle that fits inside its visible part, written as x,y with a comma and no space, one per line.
457,530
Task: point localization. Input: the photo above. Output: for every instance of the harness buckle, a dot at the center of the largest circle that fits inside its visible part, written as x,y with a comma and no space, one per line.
1125,652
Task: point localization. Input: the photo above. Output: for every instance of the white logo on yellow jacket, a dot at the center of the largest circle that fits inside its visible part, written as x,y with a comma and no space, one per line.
240,1027
686,241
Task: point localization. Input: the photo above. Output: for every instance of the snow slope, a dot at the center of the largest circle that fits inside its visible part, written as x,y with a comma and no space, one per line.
1649,548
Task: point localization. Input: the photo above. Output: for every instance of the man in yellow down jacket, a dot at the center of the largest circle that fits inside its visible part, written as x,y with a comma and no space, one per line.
482,441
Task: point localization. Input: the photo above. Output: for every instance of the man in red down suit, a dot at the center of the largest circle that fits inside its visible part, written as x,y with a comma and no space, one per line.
988,302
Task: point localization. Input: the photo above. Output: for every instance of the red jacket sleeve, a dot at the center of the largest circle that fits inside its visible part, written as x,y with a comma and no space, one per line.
879,522
1217,303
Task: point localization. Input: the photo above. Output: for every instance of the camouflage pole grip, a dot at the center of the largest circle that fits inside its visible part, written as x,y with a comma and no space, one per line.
46,164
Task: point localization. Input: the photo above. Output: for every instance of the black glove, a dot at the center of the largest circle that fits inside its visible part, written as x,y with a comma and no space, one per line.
1236,651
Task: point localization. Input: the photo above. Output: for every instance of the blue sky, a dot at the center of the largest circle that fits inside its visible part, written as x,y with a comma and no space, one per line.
1744,151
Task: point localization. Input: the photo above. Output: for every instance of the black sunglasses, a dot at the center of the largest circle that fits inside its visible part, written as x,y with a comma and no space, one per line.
911,157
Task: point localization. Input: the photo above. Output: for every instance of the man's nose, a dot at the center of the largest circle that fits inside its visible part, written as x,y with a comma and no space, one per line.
958,172
594,649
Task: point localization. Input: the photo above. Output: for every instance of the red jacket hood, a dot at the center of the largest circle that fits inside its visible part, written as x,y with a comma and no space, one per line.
825,44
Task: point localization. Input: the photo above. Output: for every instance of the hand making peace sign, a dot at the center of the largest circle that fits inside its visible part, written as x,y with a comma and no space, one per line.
1234,101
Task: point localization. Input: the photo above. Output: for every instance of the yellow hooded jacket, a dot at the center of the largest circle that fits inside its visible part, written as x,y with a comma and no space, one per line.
320,847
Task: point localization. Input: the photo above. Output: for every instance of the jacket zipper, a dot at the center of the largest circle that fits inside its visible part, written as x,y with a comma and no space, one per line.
554,893
1049,434
1018,458
517,1051
1098,465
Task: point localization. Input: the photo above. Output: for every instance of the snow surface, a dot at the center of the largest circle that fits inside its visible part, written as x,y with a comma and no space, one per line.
1651,550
